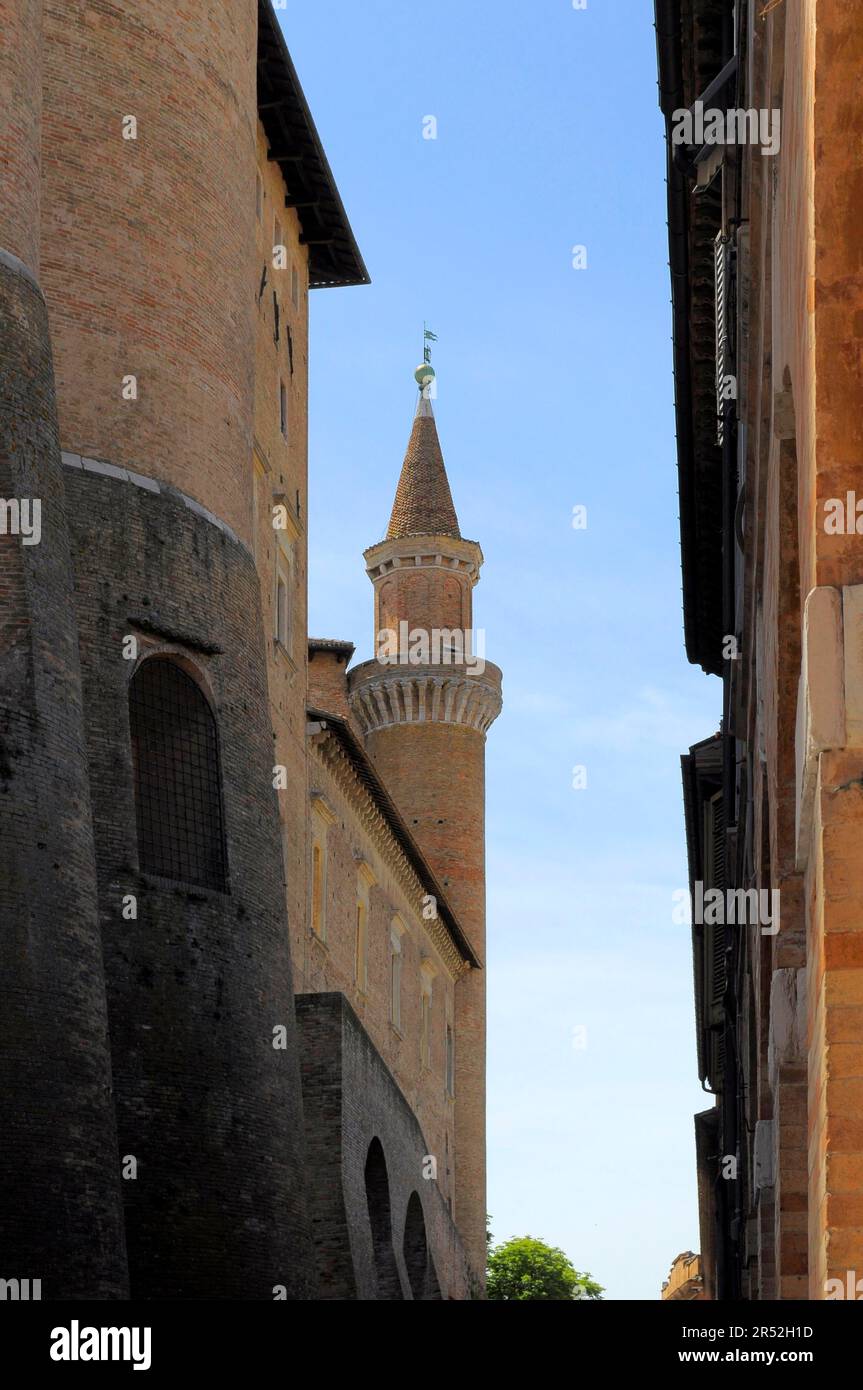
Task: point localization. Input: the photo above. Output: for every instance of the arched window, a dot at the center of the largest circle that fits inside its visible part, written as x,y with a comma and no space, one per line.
178,784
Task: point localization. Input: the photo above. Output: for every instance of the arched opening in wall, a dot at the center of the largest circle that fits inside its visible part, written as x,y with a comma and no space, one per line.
177,776
380,1220
418,1260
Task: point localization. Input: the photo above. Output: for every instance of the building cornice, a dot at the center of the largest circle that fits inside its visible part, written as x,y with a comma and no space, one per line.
337,748
428,552
334,257
382,695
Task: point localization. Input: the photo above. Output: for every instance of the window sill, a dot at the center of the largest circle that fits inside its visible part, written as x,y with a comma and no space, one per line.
193,891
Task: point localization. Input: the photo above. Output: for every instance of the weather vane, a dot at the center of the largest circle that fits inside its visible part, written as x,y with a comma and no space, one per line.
425,374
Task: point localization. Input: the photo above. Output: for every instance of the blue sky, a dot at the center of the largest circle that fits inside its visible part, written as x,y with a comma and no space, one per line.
555,390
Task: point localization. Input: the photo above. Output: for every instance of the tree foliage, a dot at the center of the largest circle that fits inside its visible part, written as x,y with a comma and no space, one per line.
527,1269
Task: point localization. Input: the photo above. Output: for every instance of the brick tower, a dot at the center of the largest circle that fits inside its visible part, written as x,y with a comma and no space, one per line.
60,1200
152,1130
424,704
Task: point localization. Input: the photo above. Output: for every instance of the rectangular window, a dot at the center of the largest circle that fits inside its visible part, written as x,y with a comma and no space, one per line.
425,1029
322,818
259,197
295,287
278,244
256,511
397,931
282,615
318,890
283,409
396,985
360,954
450,1061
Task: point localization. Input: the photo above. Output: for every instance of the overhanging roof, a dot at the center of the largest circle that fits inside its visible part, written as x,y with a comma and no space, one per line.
334,257
331,644
380,796
693,222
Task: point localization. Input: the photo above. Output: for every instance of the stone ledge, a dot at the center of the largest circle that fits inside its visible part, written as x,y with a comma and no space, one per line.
104,469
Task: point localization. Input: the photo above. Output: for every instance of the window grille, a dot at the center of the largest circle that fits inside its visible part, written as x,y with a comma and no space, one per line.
178,800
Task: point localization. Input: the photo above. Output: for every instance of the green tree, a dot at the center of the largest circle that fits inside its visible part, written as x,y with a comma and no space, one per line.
528,1269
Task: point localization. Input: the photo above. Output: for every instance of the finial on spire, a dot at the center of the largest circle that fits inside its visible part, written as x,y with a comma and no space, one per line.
423,505
425,374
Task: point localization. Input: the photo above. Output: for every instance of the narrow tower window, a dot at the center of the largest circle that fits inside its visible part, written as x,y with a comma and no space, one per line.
365,880
361,952
282,624
318,890
426,986
175,756
322,818
425,1030
283,409
396,934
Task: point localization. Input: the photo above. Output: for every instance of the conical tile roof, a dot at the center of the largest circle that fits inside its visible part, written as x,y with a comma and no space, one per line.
423,505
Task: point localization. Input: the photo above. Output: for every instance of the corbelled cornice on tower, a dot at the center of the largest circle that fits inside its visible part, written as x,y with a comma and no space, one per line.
423,505
423,706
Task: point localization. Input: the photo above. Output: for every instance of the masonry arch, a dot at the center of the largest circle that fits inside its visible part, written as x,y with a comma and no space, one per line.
418,1261
380,1220
177,776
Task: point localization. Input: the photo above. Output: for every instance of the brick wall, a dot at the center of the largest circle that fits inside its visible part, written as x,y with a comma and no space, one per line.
350,1101
278,476
436,774
200,979
800,399
60,1215
328,686
330,966
20,120
148,260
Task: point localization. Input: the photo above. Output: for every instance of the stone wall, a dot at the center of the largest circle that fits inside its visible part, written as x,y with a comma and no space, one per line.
352,1105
